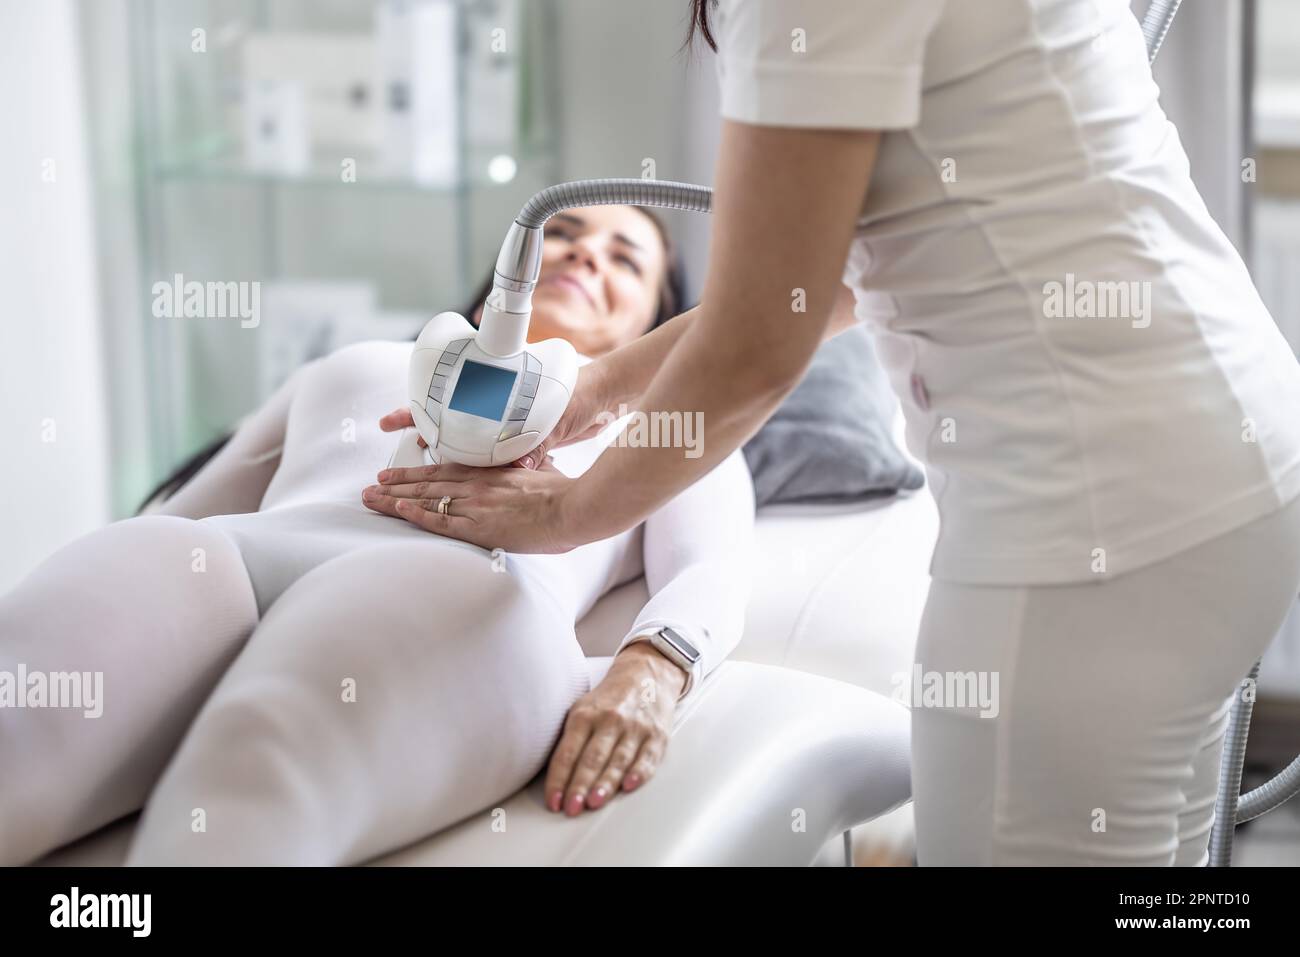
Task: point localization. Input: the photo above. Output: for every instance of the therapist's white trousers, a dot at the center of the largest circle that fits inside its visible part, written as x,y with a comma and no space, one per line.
1112,702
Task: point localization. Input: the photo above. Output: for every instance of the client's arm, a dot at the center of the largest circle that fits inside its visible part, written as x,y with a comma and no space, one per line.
234,480
698,550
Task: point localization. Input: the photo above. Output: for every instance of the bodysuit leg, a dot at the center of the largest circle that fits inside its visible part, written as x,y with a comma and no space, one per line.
387,694
146,613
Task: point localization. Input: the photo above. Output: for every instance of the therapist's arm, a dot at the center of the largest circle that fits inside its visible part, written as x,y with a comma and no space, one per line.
785,204
625,374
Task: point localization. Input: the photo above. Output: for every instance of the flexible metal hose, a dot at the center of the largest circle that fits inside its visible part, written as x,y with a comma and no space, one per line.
1159,17
1226,804
611,192
1231,807
1274,792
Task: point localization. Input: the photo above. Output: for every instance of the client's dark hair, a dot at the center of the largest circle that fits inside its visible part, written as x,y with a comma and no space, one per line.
670,302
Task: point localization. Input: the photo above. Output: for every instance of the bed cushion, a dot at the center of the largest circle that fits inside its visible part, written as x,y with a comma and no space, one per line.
831,440
838,590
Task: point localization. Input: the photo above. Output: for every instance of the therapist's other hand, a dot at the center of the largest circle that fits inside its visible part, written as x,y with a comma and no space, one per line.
616,734
400,419
583,417
515,509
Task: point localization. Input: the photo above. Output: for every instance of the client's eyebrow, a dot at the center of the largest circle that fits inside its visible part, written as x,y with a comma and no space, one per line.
579,221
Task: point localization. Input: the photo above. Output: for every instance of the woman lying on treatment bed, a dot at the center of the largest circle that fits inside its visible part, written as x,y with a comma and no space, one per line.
395,681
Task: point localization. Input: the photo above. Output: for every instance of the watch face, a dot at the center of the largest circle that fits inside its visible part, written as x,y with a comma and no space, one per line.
683,647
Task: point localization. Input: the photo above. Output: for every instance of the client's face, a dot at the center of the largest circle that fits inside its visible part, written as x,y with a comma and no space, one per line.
602,268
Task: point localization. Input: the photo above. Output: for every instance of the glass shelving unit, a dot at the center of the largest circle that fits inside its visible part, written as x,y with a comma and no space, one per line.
205,213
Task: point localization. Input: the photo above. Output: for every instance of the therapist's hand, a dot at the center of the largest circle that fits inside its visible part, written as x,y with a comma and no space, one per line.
583,417
516,509
616,734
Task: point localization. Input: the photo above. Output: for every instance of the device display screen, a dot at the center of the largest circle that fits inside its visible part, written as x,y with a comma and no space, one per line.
482,390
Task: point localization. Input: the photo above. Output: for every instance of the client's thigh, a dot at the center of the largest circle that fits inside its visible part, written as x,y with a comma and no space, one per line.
144,615
387,694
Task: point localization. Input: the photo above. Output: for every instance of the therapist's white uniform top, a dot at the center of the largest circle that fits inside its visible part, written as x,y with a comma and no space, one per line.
1069,434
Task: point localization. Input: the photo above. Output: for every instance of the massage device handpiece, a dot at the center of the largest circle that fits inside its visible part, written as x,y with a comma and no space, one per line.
477,408
486,396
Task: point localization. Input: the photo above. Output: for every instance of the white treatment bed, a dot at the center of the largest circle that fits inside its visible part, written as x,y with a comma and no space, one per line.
790,743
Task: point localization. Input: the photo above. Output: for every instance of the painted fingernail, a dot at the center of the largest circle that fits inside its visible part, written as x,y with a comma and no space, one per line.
575,803
528,461
370,492
555,800
630,782
597,797
384,476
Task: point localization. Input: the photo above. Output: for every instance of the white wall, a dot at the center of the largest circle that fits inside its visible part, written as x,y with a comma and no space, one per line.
1199,71
1279,39
51,383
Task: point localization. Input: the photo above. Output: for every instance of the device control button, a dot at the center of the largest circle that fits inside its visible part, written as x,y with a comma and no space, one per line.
445,366
512,448
433,408
517,414
438,381
435,393
532,365
511,430
456,346
529,385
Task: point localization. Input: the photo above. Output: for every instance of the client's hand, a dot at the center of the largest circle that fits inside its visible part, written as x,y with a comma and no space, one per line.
616,734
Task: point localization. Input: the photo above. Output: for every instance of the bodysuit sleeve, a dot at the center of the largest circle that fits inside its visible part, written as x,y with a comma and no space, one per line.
234,480
698,562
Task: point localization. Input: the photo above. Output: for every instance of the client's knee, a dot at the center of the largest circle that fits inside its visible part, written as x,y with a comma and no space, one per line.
252,784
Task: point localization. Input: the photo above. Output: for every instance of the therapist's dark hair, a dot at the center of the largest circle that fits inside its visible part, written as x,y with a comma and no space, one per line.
700,23
670,302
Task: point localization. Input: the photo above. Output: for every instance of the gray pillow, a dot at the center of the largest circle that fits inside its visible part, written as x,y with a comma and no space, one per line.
831,440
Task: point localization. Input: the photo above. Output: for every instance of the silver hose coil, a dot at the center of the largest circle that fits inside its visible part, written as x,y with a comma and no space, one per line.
614,192
1156,23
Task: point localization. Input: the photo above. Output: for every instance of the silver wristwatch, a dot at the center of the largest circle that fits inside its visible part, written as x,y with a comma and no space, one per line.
673,645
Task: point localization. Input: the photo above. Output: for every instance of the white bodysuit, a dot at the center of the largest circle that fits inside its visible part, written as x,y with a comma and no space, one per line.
395,682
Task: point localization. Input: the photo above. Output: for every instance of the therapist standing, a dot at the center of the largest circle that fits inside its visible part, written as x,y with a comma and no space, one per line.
1109,416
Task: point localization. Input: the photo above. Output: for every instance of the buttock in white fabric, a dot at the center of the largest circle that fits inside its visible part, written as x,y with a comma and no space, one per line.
281,545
